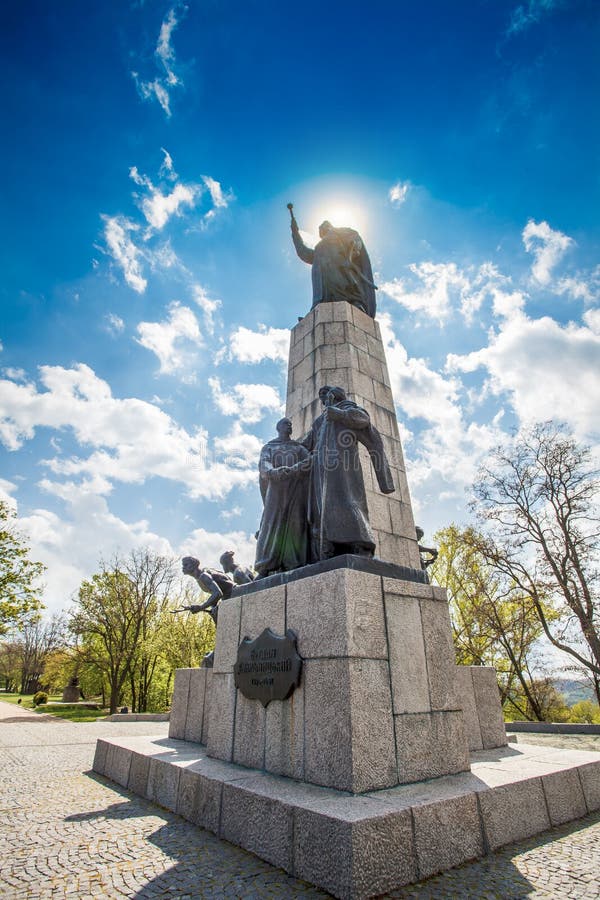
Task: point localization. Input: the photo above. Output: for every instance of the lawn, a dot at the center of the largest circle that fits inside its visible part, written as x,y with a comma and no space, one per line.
73,712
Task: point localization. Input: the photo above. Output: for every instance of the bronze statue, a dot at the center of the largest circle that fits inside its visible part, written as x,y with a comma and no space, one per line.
240,574
428,554
341,268
282,540
218,585
337,512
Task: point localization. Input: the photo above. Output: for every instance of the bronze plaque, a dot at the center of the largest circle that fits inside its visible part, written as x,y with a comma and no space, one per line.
268,668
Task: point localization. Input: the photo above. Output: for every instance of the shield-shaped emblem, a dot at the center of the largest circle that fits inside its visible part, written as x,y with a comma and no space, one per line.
268,668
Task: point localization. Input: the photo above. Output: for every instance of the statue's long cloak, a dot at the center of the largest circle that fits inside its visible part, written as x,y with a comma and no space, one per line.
338,271
337,499
282,542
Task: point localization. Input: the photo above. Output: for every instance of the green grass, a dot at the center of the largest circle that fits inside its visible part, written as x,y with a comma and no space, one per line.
74,712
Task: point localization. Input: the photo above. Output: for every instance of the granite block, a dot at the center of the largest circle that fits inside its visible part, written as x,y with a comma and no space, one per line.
228,635
354,859
447,834
207,704
404,588
349,621
179,703
323,852
327,723
372,726
100,757
439,653
118,762
408,668
513,812
489,707
324,312
430,745
265,609
303,370
249,734
138,774
199,799
564,795
466,698
195,710
589,775
258,823
325,358
366,323
221,717
334,333
284,741
163,783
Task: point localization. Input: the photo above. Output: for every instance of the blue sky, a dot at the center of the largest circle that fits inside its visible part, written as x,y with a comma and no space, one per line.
149,279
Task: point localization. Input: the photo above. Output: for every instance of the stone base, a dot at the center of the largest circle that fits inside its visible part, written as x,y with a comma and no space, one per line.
376,706
360,846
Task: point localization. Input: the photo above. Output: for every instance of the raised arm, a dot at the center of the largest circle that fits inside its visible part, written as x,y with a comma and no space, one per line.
305,253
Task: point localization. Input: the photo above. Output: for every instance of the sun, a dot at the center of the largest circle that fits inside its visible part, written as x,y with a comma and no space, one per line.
340,212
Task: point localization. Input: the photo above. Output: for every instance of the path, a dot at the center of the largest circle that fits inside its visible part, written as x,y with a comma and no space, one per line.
67,833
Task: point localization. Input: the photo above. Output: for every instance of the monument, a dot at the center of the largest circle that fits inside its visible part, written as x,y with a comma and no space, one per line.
334,736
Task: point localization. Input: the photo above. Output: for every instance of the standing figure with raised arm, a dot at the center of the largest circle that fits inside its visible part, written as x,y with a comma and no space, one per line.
341,268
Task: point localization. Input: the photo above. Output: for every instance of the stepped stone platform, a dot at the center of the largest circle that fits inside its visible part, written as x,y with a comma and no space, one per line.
357,846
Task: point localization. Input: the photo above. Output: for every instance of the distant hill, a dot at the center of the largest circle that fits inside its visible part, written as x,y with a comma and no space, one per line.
574,690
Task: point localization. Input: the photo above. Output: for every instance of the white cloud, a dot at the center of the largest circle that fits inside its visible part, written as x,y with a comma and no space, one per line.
7,489
208,306
548,370
167,169
438,282
398,193
207,546
114,324
122,249
530,13
131,440
547,246
253,346
168,340
219,199
158,208
160,87
444,457
592,319
238,448
249,402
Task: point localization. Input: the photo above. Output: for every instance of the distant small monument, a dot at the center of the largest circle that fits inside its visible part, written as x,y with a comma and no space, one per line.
72,692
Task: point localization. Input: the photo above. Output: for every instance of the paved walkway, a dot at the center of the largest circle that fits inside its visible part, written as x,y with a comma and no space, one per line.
67,833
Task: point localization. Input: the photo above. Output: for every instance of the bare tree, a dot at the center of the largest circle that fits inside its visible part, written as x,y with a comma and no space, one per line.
36,641
538,498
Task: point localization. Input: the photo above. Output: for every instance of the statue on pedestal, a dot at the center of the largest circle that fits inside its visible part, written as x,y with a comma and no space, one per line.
337,510
282,541
341,268
240,574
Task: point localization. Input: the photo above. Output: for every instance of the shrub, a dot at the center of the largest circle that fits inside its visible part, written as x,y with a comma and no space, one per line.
39,698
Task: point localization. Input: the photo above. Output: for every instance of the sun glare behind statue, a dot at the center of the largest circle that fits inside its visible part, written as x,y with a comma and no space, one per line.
340,213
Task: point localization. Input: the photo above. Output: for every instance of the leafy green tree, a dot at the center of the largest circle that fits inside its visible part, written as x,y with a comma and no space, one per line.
114,620
19,576
585,711
537,499
494,622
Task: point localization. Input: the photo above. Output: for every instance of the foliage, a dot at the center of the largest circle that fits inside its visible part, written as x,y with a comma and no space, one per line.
585,711
39,698
538,501
494,622
19,576
115,621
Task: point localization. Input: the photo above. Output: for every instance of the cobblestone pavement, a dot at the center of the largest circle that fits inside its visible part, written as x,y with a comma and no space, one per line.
67,833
